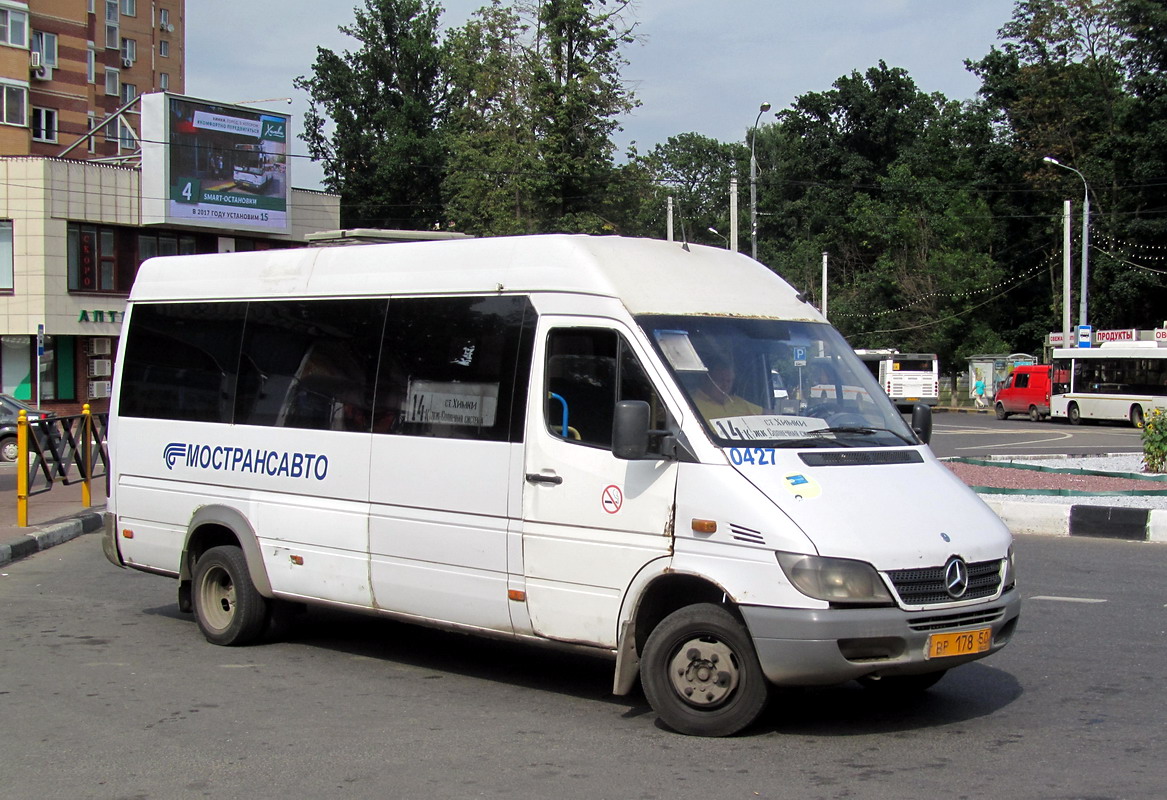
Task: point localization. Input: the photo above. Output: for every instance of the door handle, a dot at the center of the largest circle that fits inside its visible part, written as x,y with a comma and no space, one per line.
533,477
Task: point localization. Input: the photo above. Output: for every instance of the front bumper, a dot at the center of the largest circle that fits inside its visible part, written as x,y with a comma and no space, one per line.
800,647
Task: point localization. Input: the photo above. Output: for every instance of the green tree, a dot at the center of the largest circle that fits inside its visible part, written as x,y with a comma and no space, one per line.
495,172
577,97
374,116
695,171
539,95
884,178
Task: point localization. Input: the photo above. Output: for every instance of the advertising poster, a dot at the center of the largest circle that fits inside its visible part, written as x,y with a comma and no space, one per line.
227,166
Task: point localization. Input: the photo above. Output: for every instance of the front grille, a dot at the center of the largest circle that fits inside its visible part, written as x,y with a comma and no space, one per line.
925,586
940,622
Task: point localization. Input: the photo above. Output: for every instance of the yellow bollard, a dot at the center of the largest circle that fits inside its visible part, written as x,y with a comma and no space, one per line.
22,469
87,455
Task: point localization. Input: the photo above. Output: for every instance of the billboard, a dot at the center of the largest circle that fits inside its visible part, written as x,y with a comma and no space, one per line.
213,165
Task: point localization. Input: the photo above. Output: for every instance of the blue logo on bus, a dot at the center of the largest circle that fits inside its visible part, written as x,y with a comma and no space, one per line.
252,460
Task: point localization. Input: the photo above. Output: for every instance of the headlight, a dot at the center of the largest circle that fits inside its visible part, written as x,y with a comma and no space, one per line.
1010,579
835,580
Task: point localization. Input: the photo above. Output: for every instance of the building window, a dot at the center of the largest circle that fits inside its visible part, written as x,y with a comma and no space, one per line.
129,92
126,138
98,260
129,50
164,18
6,255
113,38
91,63
164,49
163,81
130,8
44,124
15,101
113,82
13,27
91,141
46,45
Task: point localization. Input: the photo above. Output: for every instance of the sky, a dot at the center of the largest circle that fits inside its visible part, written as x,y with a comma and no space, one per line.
702,66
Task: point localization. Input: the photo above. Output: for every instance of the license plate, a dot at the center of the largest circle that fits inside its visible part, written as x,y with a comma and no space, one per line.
945,645
912,399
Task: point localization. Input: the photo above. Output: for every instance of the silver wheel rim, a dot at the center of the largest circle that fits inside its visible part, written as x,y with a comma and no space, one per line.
704,672
217,598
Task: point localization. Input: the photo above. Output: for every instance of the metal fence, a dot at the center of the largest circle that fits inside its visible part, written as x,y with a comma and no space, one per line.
59,450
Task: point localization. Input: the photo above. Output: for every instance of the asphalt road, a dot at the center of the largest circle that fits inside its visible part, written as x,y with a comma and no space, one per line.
106,691
976,435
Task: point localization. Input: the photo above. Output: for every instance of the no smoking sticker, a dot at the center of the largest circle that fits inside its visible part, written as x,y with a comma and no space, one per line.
612,499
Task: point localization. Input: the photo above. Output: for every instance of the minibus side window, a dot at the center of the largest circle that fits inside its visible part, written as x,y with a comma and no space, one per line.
181,361
310,364
455,367
588,371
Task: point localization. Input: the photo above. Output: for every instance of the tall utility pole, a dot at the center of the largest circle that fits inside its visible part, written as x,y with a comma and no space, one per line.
754,184
1085,237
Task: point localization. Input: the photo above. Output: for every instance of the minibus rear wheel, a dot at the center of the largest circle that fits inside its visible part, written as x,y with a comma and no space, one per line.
701,674
227,606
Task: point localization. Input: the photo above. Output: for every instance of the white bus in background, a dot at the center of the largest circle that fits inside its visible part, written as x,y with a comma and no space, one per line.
563,440
1119,381
907,378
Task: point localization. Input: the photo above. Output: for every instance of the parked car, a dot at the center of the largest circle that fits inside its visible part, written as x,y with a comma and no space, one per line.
9,410
1026,392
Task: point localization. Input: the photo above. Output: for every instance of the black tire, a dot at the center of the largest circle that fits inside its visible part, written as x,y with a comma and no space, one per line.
227,606
903,684
8,449
1137,416
1034,414
1074,415
1001,413
701,674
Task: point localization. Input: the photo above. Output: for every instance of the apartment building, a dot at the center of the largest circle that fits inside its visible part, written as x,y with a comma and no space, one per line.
84,197
67,65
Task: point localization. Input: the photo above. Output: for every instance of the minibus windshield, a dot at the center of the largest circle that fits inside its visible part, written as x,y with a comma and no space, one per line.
774,382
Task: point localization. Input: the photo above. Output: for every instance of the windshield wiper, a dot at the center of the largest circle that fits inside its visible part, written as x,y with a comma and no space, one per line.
862,430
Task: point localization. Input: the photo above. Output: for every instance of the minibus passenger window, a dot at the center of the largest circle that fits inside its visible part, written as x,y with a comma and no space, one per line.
310,364
455,367
181,361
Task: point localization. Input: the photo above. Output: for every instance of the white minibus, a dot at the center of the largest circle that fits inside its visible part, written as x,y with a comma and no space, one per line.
590,442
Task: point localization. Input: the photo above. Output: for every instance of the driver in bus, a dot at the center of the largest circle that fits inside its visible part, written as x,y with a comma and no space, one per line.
714,396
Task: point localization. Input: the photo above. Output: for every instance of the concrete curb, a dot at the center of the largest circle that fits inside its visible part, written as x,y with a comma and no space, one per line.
45,536
1103,522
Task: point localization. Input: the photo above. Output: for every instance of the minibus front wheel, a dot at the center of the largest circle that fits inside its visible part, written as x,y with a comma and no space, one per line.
701,674
227,606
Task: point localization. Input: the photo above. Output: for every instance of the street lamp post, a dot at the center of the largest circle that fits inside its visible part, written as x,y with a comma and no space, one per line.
723,236
1085,236
754,184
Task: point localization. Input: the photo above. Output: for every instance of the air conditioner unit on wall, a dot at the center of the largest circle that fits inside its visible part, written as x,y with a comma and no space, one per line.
43,73
99,347
100,389
34,59
100,368
127,62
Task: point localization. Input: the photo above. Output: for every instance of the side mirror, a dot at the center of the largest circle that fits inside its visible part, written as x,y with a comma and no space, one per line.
630,430
922,422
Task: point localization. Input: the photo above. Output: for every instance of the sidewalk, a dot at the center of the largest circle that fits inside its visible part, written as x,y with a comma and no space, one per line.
54,517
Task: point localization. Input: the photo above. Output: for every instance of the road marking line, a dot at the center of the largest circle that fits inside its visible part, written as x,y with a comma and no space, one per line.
1066,599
